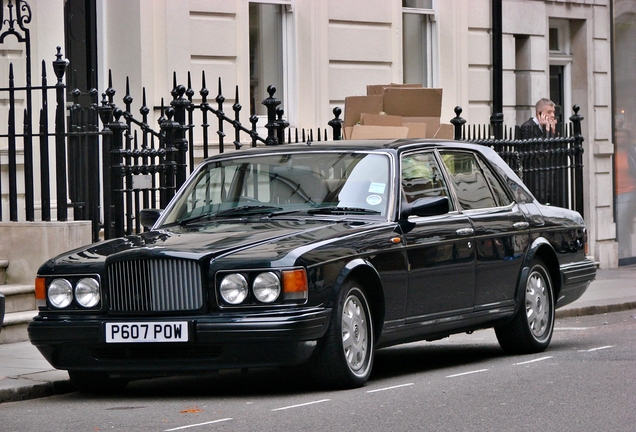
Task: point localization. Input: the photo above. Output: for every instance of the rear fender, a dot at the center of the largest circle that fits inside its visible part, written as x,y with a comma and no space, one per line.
541,249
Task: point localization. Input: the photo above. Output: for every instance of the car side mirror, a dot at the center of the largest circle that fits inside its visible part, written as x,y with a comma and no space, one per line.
429,206
148,217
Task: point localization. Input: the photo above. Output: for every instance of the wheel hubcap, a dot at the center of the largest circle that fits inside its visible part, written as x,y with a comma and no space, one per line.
354,334
537,305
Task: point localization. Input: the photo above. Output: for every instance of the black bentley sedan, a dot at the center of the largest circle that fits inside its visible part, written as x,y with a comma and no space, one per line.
314,255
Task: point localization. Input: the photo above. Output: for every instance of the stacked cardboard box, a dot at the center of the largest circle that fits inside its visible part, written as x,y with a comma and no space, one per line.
396,111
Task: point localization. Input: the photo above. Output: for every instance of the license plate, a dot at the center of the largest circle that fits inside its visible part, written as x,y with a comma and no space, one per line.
170,331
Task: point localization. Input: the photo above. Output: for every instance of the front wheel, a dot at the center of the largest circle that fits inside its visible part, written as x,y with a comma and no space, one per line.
346,357
530,331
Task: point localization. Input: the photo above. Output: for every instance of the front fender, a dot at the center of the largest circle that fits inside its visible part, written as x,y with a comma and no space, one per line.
355,266
369,277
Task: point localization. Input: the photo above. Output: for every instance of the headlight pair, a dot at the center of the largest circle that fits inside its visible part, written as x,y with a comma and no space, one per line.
86,293
234,288
266,287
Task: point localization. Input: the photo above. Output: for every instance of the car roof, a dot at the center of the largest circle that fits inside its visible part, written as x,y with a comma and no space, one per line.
397,145
387,146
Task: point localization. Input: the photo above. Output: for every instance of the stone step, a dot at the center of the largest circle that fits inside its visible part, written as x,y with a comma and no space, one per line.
3,271
18,298
14,328
19,311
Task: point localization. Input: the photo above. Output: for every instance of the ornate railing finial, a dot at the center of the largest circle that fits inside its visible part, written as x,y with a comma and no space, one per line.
22,18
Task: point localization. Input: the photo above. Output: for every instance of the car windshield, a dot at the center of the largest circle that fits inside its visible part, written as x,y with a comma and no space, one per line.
316,183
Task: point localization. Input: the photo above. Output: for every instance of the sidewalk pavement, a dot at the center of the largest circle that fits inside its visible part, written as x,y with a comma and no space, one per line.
25,374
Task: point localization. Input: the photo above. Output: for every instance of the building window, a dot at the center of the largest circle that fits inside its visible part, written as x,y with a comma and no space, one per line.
417,42
270,38
560,69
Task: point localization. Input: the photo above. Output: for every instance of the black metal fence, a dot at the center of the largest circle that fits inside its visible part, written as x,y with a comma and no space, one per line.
105,163
20,138
108,173
143,167
552,168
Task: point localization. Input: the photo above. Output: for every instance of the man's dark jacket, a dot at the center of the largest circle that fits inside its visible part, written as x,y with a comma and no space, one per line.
530,130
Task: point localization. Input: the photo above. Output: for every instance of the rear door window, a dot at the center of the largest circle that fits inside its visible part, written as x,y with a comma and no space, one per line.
471,183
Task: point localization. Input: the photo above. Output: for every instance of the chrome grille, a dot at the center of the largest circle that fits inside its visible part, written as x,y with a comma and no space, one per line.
155,285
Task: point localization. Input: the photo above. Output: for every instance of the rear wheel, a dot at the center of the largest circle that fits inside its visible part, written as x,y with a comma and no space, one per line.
531,329
346,357
96,382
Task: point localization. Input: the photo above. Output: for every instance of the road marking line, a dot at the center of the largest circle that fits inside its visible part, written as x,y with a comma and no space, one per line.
467,373
532,361
390,388
198,424
570,328
597,349
301,405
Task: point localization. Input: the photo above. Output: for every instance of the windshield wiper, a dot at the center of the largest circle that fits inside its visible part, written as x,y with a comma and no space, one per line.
191,219
246,209
342,210
286,212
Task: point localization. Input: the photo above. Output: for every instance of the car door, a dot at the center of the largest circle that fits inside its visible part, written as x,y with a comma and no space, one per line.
440,250
501,230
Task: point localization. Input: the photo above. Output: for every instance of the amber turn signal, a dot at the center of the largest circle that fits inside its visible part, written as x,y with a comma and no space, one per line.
40,288
295,284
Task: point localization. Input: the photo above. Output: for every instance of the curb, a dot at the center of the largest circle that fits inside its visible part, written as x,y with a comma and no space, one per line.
36,390
595,310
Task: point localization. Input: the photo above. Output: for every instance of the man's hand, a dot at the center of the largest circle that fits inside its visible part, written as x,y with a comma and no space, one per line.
548,121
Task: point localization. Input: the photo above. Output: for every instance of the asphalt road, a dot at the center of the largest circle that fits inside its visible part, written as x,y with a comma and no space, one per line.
585,381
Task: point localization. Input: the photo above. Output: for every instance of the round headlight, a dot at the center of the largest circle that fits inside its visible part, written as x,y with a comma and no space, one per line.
60,293
233,288
266,287
87,292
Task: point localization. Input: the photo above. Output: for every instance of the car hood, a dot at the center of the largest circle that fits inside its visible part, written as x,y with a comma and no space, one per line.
250,239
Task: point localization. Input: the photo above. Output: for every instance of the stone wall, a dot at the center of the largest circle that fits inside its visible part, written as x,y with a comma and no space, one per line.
27,245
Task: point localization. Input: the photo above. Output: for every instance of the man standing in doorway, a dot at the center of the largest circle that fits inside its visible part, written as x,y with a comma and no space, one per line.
543,124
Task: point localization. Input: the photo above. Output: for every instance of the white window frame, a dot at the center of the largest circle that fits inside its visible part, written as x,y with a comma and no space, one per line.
563,57
289,90
432,63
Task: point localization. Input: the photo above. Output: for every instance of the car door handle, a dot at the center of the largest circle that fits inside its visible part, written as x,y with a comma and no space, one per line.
520,225
465,231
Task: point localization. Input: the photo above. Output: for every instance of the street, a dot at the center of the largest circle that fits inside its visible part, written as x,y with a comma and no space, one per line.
585,381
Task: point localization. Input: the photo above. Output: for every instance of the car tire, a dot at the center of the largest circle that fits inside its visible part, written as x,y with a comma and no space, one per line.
530,331
96,382
346,357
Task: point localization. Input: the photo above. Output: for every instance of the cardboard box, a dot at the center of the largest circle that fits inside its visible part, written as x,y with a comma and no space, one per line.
413,102
359,132
412,106
445,131
356,105
378,89
380,120
416,130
